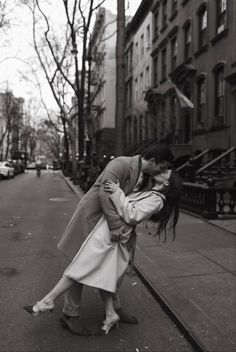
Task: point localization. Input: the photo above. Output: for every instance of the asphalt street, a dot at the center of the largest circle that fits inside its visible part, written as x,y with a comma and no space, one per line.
33,214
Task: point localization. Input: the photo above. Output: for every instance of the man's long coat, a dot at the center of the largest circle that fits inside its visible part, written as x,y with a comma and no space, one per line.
96,203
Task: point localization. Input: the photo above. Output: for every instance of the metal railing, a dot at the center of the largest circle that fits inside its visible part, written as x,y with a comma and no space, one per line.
218,159
194,159
209,202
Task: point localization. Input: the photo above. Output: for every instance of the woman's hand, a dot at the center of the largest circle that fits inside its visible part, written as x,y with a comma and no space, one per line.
111,187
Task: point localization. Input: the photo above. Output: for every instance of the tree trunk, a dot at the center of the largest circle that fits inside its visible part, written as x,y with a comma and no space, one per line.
8,143
120,76
73,151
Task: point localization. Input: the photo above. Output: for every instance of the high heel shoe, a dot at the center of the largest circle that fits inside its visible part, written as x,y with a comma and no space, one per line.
39,307
108,326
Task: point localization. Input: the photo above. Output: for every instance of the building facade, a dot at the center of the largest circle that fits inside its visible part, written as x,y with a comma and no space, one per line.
138,124
193,50
102,47
11,122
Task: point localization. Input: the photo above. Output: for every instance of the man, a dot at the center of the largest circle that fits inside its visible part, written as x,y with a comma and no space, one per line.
38,167
92,206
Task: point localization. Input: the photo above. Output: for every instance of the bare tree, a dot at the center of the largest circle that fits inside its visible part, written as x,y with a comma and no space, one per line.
51,139
4,12
61,69
28,141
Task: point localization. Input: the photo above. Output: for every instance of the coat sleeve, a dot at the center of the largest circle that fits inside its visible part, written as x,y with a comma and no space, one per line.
116,171
133,212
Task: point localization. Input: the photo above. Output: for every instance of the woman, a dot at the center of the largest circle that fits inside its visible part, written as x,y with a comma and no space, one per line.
101,263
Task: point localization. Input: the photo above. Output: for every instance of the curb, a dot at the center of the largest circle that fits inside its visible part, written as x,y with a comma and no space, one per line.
196,326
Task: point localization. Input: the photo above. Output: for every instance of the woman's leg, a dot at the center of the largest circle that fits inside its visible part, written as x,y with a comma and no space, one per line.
110,312
63,285
47,303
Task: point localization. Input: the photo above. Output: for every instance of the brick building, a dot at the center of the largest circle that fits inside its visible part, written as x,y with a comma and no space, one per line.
193,46
11,122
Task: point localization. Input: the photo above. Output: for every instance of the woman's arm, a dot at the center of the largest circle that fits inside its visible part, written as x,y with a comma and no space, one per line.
134,212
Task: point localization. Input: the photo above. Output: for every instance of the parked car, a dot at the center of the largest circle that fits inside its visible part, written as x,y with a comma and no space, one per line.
6,170
19,166
13,163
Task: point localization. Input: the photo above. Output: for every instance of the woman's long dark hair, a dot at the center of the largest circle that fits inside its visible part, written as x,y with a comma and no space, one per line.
168,217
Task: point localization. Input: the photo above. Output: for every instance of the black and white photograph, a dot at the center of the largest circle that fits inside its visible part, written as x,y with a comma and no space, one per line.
118,175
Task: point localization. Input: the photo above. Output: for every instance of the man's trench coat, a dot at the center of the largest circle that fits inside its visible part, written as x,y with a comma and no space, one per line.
96,203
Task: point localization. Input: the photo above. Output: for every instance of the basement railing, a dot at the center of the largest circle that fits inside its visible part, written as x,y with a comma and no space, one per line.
192,160
209,202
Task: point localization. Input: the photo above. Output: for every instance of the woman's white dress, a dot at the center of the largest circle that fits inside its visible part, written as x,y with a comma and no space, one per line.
101,263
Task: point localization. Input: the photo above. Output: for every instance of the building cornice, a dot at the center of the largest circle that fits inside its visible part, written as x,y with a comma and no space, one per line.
140,15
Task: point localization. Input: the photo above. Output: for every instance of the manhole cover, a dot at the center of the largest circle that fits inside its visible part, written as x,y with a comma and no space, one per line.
59,199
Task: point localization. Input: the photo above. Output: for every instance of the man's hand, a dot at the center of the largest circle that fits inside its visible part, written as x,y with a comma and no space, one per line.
111,187
121,234
116,237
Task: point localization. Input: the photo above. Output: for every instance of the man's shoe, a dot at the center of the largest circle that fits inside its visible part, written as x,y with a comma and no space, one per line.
73,325
126,318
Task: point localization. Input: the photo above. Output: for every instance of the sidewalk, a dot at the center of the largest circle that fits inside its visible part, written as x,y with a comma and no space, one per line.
194,277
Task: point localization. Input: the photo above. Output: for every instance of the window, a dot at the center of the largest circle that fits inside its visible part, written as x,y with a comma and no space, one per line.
131,59
142,46
172,112
129,131
127,95
141,127
131,93
156,23
202,27
174,6
148,44
187,41
146,126
136,89
155,70
174,47
163,64
136,52
221,15
201,100
135,130
219,94
126,64
163,118
147,77
141,85
164,14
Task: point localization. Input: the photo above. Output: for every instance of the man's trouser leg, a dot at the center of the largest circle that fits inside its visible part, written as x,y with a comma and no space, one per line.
72,300
124,317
